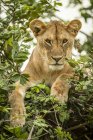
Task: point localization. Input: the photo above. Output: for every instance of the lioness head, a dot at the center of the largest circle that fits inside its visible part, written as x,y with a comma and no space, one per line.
55,41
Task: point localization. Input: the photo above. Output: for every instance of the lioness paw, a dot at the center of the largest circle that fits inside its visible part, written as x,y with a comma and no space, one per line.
60,96
60,91
17,117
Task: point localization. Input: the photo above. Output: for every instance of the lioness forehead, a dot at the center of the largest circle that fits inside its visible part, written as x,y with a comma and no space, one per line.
56,28
55,22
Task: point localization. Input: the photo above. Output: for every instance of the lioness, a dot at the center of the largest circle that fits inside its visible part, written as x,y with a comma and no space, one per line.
47,63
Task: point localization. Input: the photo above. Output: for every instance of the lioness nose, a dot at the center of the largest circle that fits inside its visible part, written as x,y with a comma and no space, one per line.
56,58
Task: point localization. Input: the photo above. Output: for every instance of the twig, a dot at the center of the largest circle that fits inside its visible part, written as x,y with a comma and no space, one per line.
87,137
88,36
56,118
52,121
6,10
30,134
58,17
34,138
2,121
77,126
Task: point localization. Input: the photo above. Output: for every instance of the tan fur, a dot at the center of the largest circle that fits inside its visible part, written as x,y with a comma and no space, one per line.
54,45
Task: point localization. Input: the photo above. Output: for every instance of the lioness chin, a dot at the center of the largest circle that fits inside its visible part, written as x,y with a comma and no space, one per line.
47,63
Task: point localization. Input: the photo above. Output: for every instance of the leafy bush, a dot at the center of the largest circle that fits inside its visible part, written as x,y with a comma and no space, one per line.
47,119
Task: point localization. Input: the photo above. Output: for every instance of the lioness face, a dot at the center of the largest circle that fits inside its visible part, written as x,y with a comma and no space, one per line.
55,41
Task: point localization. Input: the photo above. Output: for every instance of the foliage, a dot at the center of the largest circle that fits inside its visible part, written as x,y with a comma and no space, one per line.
86,11
46,119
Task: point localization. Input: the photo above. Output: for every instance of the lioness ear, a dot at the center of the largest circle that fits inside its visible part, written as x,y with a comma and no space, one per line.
37,26
73,27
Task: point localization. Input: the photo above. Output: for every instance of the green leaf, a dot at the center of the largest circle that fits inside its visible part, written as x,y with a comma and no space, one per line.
15,77
24,78
40,122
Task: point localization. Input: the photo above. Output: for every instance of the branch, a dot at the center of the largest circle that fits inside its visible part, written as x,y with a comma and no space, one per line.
58,17
56,118
87,137
90,37
6,9
77,126
2,121
30,134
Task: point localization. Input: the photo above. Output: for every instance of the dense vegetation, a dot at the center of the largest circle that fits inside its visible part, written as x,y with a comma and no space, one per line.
46,118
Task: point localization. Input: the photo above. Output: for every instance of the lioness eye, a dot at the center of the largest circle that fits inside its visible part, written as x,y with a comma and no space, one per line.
65,41
75,31
48,41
